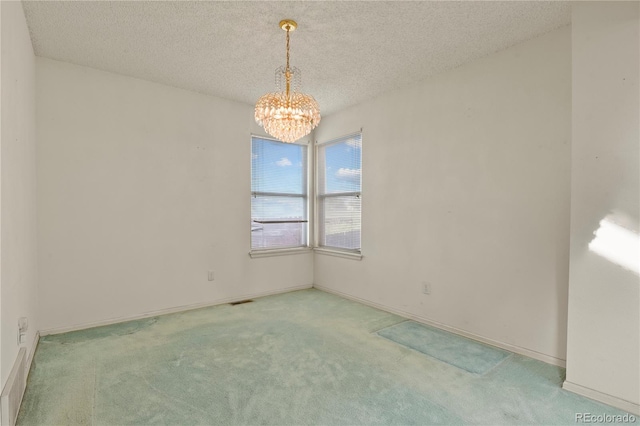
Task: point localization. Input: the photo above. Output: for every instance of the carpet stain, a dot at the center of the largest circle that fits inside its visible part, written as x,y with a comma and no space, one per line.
467,354
120,329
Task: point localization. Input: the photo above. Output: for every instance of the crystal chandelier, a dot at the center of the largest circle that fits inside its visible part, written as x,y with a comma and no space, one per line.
287,114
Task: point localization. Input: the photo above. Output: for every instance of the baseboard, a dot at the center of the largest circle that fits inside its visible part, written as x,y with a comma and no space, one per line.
13,390
34,346
605,398
512,348
173,310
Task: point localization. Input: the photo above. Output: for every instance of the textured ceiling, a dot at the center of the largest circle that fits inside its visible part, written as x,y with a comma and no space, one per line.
347,51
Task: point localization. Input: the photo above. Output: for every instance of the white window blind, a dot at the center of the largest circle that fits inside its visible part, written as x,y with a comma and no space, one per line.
339,193
279,216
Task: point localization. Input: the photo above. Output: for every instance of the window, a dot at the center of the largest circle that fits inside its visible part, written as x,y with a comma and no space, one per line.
278,194
339,196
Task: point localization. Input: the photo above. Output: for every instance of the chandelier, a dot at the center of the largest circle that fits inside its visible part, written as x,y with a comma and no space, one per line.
287,114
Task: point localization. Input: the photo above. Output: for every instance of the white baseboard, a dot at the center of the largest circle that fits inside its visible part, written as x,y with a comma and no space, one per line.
34,346
13,390
622,404
512,348
17,383
182,308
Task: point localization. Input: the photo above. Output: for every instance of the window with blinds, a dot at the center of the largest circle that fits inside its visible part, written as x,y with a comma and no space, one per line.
339,193
278,194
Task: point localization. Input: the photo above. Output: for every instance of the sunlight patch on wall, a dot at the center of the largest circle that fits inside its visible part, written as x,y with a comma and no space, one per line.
617,244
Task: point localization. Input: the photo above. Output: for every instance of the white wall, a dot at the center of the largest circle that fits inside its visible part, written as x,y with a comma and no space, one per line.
18,262
466,181
143,189
603,355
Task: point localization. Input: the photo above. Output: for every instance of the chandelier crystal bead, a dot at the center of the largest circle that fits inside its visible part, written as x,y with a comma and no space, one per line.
287,115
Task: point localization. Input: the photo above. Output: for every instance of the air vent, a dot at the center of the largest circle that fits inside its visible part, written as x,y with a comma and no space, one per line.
240,302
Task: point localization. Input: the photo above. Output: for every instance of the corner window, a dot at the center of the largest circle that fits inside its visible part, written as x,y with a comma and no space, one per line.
279,213
339,200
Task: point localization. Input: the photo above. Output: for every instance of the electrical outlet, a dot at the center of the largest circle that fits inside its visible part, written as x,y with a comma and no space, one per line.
23,326
426,287
210,276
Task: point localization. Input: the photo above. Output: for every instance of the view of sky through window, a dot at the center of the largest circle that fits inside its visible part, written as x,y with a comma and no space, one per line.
343,167
278,168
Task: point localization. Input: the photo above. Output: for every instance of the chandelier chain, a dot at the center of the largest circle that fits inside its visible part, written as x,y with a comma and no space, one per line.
287,48
287,72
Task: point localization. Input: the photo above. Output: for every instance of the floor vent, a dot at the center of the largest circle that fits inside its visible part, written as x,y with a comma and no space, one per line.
240,302
14,390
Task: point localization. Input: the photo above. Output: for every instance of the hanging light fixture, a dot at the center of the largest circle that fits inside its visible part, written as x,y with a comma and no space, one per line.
287,114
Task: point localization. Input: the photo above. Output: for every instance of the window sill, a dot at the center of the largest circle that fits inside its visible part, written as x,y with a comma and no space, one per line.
279,252
353,255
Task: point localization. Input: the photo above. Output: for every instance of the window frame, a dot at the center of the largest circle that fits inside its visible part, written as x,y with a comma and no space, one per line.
283,250
318,223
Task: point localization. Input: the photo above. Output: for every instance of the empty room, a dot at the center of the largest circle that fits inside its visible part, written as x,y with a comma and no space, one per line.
319,212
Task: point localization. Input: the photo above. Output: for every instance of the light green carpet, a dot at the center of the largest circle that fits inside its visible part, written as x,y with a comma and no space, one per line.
300,358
